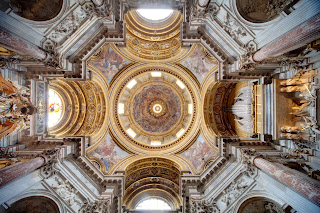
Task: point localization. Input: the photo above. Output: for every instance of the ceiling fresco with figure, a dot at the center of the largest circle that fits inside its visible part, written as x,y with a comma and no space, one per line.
200,63
200,154
107,61
107,154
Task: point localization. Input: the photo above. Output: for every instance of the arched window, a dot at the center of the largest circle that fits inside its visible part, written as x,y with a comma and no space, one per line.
55,108
155,14
153,204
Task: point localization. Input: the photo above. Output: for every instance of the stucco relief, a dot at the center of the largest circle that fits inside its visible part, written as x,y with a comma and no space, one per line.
67,26
67,192
234,190
203,206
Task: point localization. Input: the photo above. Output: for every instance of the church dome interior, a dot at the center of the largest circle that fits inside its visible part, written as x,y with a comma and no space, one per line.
171,106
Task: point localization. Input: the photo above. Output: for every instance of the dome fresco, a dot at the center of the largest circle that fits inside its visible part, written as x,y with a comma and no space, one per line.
168,102
154,108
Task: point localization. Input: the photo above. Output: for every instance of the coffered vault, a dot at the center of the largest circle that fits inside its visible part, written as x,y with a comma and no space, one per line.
200,109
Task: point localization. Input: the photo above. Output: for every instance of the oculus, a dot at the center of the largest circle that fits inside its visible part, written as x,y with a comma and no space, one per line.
157,108
155,14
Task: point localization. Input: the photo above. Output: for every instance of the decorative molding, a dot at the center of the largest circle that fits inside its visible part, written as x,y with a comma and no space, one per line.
202,205
51,159
233,27
198,13
246,60
101,12
7,62
234,190
212,11
247,160
273,208
67,192
98,206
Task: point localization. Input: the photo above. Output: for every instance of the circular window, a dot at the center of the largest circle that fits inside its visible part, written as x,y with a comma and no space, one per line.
55,108
155,14
153,204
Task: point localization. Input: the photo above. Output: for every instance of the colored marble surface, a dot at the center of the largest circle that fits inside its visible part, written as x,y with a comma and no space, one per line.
14,171
305,32
199,63
109,153
20,46
146,119
298,183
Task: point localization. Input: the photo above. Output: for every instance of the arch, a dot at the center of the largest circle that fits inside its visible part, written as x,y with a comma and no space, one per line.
37,194
252,25
259,11
85,107
183,165
214,116
256,195
158,177
142,43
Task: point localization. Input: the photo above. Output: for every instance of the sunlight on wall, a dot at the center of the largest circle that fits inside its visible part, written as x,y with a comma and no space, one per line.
54,108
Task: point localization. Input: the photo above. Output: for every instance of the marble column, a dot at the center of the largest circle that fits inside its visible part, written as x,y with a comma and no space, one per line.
9,173
20,46
298,183
98,2
297,37
203,3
